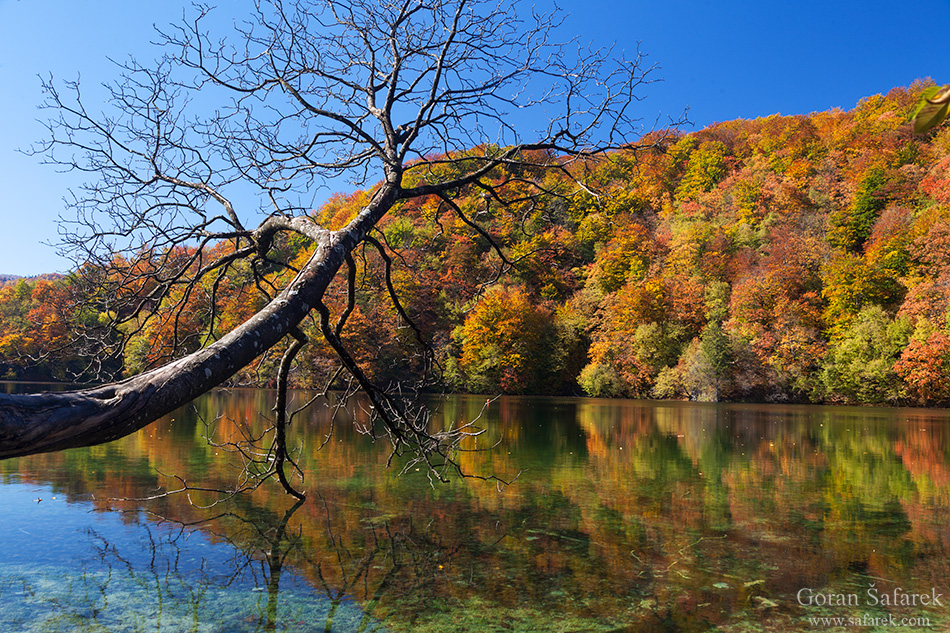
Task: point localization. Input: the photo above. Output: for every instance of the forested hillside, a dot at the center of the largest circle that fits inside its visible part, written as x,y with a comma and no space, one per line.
789,258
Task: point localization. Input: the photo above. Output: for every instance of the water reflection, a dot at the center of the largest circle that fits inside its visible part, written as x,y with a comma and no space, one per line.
627,516
132,572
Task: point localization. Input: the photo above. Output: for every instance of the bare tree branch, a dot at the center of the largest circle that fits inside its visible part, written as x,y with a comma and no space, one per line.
203,165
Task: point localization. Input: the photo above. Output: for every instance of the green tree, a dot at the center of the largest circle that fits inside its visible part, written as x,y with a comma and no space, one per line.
860,364
851,284
851,227
707,165
706,364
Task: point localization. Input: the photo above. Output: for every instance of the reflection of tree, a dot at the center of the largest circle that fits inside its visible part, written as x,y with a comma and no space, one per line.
172,578
815,494
388,555
620,507
277,545
121,588
267,543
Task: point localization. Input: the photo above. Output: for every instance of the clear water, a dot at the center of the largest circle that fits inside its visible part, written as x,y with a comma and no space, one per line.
626,516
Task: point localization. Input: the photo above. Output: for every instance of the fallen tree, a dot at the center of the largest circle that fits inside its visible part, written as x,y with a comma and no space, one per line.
422,97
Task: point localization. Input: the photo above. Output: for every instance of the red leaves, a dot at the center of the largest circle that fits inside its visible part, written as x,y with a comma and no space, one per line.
925,368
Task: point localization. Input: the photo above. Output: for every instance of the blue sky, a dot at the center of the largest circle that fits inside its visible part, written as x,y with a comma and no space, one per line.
723,60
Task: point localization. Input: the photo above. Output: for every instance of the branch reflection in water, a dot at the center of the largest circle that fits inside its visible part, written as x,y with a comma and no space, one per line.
222,573
630,516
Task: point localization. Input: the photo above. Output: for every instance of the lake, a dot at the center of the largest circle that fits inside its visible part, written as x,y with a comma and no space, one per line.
623,516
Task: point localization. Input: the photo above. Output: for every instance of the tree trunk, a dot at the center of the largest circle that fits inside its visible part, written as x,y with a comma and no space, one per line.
44,422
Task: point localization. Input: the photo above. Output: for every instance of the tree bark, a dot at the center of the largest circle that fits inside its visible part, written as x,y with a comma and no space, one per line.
44,422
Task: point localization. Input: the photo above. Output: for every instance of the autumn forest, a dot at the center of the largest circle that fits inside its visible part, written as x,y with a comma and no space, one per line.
784,259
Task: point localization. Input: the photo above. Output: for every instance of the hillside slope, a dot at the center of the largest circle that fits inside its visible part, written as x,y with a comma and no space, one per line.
788,258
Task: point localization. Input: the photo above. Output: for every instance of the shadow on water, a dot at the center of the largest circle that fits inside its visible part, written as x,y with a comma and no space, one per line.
626,516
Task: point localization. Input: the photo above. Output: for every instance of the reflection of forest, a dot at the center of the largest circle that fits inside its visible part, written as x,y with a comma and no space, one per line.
627,514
